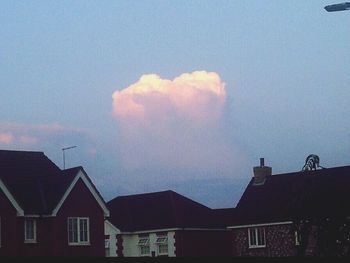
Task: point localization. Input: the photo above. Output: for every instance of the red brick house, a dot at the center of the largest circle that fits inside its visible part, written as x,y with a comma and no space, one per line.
168,224
303,213
48,211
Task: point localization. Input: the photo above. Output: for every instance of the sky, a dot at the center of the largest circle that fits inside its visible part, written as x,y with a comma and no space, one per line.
176,95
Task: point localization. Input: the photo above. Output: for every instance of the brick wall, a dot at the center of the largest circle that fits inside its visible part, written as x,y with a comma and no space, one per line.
280,242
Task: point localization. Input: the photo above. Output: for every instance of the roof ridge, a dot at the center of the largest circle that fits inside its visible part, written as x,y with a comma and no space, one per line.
75,167
191,200
141,194
170,192
21,151
308,172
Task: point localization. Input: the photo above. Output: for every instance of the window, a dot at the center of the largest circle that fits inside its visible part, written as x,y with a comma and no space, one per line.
162,242
145,250
144,245
107,244
78,231
29,230
256,236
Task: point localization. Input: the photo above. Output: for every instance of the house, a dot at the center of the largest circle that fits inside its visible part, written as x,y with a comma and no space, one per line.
167,224
293,214
48,211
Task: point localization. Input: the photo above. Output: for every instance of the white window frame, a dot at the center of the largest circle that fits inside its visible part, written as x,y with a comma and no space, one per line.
144,242
162,240
107,243
26,238
107,247
255,231
79,242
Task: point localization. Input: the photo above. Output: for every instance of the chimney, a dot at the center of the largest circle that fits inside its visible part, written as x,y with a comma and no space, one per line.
261,173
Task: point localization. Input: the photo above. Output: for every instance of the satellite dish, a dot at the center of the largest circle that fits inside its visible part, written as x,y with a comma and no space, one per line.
312,162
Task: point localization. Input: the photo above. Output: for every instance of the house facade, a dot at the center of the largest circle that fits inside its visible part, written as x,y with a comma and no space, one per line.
167,224
303,213
52,212
48,211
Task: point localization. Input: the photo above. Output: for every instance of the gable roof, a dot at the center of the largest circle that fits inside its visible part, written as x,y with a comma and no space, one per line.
10,197
159,210
79,173
290,196
33,180
36,185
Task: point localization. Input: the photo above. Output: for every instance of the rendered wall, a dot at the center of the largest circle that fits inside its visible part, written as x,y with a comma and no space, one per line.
132,249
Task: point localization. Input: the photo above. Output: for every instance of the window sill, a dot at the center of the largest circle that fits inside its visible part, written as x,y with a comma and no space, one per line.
264,246
30,242
79,244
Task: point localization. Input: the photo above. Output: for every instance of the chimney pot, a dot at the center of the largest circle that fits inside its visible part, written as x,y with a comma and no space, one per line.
262,163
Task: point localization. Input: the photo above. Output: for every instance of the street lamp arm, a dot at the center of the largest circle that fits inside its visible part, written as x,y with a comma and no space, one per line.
338,7
70,147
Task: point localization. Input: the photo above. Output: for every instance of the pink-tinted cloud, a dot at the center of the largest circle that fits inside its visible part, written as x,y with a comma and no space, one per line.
175,125
196,96
29,136
30,140
6,138
41,128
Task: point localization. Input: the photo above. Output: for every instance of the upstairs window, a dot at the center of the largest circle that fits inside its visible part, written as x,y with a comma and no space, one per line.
256,237
162,243
78,231
144,245
29,230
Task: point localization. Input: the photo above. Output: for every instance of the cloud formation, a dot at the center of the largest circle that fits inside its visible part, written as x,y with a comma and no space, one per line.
6,138
196,96
38,137
174,126
50,139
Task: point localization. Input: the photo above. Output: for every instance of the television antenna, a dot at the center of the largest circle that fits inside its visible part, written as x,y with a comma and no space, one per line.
64,157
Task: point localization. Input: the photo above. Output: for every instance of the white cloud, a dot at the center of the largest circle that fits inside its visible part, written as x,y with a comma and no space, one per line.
175,125
196,96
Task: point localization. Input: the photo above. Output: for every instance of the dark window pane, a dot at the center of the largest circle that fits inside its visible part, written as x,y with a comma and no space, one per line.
252,236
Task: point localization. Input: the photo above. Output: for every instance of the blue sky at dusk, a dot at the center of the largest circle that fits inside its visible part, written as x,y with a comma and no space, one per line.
180,95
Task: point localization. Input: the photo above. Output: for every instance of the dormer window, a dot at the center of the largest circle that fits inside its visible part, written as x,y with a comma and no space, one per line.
29,230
